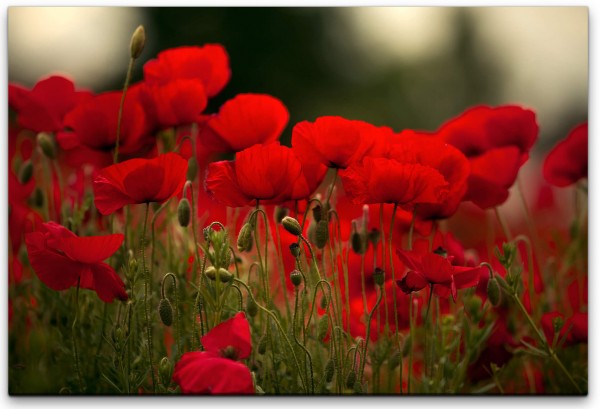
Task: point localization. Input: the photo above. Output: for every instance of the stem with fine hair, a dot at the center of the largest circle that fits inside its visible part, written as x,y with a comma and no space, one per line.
121,105
368,335
147,297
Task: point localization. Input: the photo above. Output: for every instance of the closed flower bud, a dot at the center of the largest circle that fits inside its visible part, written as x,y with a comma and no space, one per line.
165,371
183,212
280,213
292,225
322,233
329,370
317,213
262,345
493,292
322,327
374,237
357,240
295,250
37,197
350,379
244,239
211,272
165,311
47,144
25,172
224,275
192,168
251,307
379,277
138,40
296,277
394,360
407,346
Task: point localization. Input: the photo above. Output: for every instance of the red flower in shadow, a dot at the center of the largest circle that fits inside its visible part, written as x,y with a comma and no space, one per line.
269,173
497,142
567,162
244,121
60,259
209,64
139,181
216,370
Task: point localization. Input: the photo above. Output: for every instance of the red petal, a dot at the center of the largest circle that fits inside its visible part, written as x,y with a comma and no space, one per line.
91,249
107,284
221,183
567,162
234,332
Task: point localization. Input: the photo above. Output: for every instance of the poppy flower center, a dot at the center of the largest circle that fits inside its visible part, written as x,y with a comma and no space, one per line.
230,353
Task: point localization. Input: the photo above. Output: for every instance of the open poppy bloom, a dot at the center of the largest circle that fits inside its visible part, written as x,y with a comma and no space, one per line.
216,370
61,259
244,121
497,142
567,162
271,174
139,181
209,64
430,269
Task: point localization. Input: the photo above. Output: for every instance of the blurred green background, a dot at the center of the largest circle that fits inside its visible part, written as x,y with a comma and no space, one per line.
405,67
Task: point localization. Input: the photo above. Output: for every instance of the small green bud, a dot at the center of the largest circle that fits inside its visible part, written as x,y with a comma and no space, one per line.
138,40
244,239
493,292
557,324
183,212
37,197
292,225
350,379
296,277
165,311
47,144
165,371
251,307
374,237
394,360
224,275
317,213
322,233
26,172
322,327
295,250
329,370
192,168
280,213
262,345
211,272
407,346
379,277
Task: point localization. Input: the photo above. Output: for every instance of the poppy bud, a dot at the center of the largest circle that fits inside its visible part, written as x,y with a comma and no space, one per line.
350,379
262,345
557,324
25,172
292,225
357,240
317,213
251,307
329,370
165,371
379,277
324,302
192,168
47,144
224,275
244,239
138,40
394,360
211,272
296,277
183,212
322,327
493,292
374,237
407,346
295,250
165,311
322,234
280,213
37,197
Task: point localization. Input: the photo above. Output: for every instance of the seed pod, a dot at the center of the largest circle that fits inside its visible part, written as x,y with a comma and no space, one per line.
322,327
394,360
244,239
350,379
329,370
262,345
183,212
138,40
296,277
493,292
47,144
292,225
165,311
295,250
379,277
25,172
251,307
407,346
192,168
322,233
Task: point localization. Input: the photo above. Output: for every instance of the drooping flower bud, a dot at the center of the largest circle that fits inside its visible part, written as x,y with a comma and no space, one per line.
26,172
295,250
37,197
262,345
280,213
350,379
165,311
379,277
138,40
493,292
317,213
374,236
165,371
322,233
329,370
292,225
47,144
296,277
184,212
224,275
244,239
251,307
211,272
357,240
322,327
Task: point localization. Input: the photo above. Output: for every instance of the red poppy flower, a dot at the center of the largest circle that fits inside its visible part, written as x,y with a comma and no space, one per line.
44,107
381,180
497,142
60,258
244,121
567,162
433,269
270,173
139,181
336,142
94,124
216,370
177,102
209,64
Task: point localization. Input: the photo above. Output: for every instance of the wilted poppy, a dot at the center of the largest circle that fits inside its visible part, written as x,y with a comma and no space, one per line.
139,181
567,162
61,259
497,142
216,370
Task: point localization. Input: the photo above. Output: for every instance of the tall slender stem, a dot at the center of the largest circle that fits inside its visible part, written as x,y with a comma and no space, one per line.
147,279
74,337
391,255
122,104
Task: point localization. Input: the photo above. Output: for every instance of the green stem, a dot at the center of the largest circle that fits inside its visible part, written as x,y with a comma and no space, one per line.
121,105
74,336
503,224
364,360
147,298
301,345
391,255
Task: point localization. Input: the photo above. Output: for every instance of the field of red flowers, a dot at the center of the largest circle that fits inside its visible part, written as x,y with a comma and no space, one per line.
359,260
